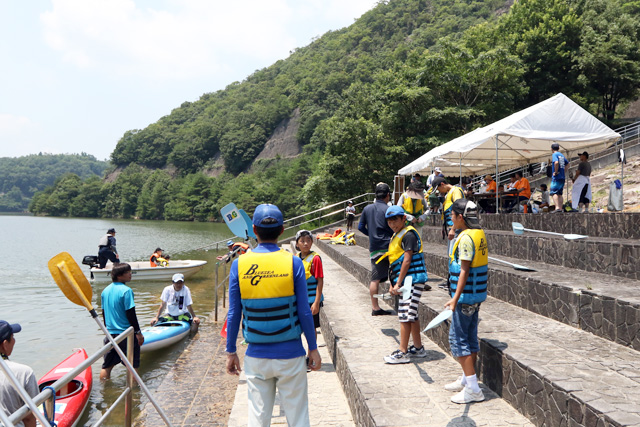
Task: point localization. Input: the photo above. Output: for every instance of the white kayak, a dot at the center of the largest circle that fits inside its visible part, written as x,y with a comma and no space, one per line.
142,270
164,334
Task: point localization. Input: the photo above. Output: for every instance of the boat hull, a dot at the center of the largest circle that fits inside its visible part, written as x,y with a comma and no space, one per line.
72,399
164,334
141,270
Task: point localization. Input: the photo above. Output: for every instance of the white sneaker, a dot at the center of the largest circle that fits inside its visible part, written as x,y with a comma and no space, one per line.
417,352
467,396
397,357
455,386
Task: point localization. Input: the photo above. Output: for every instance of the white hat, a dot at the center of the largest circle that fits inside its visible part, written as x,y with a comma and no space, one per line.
178,277
437,169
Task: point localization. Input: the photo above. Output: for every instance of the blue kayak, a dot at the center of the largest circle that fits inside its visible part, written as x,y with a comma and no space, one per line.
163,334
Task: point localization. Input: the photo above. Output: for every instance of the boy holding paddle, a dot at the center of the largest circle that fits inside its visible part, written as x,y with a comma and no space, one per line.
118,313
468,262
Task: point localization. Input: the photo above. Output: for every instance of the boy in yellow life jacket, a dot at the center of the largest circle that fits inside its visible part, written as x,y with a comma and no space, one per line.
468,275
314,273
406,260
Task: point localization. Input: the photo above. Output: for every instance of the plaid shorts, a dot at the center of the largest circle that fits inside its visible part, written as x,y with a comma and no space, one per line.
408,308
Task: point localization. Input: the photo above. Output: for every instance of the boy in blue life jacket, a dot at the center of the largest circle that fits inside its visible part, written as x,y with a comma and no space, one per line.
468,289
406,259
313,272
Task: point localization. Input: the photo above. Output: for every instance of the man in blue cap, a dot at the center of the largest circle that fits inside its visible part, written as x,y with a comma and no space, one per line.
268,287
10,400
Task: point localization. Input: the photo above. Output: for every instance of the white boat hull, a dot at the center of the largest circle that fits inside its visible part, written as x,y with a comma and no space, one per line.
141,270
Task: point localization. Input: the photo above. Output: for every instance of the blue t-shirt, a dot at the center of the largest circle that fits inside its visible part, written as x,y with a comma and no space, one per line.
279,350
117,298
562,161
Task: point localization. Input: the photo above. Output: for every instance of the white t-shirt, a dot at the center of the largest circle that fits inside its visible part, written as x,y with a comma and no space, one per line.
10,400
177,301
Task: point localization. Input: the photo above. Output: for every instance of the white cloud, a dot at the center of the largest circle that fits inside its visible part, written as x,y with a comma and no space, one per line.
188,38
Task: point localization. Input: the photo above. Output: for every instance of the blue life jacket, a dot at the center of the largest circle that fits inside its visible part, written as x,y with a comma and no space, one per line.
269,310
475,289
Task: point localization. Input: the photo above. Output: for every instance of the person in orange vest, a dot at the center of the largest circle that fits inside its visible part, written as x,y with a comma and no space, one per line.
237,248
156,259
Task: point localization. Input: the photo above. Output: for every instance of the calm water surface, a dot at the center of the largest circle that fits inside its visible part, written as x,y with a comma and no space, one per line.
52,326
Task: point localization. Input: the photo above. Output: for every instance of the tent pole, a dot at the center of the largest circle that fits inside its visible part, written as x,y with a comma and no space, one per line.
497,179
460,169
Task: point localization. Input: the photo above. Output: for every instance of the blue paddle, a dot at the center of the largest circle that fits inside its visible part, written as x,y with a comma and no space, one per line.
234,220
250,232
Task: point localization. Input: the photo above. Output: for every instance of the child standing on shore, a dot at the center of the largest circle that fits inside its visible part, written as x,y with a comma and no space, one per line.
314,273
406,259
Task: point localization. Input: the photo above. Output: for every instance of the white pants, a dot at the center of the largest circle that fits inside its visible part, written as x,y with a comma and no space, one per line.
289,376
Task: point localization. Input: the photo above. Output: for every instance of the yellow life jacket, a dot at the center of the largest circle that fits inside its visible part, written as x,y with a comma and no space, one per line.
475,289
268,298
312,282
452,195
417,268
411,206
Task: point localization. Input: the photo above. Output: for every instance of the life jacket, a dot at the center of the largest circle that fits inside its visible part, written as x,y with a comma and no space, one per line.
417,268
162,262
269,311
413,207
448,203
157,256
312,282
475,290
243,247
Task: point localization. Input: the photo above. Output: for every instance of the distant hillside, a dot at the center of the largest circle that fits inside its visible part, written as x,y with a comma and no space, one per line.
351,108
21,177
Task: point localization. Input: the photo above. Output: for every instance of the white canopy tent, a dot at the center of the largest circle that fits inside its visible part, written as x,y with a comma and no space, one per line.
522,138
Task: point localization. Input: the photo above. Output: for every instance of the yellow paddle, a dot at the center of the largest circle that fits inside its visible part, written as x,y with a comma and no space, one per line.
75,286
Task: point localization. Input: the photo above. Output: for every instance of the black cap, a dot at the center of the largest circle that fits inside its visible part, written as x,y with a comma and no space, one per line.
468,210
555,146
584,154
111,230
382,190
437,181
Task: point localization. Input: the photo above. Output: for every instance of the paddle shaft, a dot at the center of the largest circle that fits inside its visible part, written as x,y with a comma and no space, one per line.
23,393
566,236
63,269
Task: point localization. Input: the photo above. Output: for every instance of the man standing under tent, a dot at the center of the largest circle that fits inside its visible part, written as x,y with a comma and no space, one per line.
581,192
557,177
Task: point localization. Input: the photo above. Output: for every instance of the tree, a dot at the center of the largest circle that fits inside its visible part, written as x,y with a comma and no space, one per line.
609,59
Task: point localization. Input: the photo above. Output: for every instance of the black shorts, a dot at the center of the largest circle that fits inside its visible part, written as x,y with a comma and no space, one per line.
113,358
316,317
379,271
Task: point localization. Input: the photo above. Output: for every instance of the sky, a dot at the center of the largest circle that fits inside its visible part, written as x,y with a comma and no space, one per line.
76,74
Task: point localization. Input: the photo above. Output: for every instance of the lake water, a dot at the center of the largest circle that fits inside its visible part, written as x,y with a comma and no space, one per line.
52,326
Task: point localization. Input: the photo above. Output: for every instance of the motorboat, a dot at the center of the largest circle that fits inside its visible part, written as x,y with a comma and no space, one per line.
142,270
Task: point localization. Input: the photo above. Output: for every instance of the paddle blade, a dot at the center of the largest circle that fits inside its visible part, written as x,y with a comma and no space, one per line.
407,287
234,220
246,218
517,228
70,279
574,236
445,315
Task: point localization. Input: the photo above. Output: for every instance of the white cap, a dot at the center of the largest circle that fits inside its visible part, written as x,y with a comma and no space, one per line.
178,277
437,169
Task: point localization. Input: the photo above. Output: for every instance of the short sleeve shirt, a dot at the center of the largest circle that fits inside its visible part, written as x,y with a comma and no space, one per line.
177,301
117,298
316,267
465,248
558,157
10,400
410,242
584,168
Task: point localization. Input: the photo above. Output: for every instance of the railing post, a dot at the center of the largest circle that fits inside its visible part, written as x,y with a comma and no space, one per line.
128,402
215,287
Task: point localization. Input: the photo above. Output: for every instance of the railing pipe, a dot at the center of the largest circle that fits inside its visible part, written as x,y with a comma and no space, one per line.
128,402
102,419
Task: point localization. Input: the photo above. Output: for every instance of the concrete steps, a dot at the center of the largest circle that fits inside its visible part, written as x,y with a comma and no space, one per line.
605,305
553,373
393,395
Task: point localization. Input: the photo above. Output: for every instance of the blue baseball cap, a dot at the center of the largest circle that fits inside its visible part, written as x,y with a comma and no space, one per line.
394,210
267,216
6,329
230,242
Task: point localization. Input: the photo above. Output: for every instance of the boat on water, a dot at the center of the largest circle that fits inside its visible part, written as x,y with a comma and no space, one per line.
142,270
73,398
164,334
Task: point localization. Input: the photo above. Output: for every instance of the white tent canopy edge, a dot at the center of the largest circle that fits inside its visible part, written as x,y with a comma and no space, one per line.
519,139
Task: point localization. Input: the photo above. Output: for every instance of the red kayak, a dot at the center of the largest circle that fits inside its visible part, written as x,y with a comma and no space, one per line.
72,399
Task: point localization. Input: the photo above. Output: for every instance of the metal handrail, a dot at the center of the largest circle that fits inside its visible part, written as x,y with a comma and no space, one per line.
325,208
68,377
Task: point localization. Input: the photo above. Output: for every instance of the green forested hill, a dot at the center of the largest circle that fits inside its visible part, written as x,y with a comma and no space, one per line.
21,177
407,76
